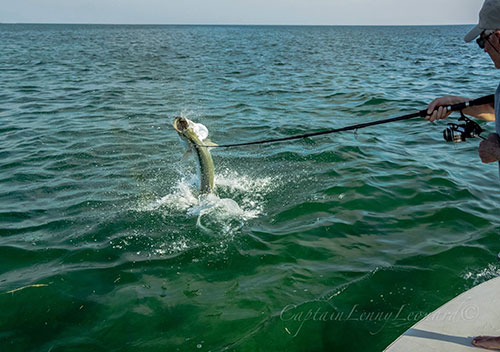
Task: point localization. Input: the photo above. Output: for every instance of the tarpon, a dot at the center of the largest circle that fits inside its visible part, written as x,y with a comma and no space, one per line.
193,136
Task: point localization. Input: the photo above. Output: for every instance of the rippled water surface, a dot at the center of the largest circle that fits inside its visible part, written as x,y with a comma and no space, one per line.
106,245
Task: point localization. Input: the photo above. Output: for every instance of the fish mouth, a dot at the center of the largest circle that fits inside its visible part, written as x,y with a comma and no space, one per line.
181,124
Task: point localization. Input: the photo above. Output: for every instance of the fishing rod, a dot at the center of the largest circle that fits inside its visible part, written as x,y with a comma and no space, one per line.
470,129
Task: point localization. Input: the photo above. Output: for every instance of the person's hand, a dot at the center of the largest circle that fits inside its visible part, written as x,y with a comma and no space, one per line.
489,149
437,108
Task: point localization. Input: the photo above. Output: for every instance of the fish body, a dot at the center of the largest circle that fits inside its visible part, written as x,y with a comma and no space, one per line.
193,135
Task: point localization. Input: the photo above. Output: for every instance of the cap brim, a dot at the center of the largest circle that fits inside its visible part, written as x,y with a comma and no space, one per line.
473,34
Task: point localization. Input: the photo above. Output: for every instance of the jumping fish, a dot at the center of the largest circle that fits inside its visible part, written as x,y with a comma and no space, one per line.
193,136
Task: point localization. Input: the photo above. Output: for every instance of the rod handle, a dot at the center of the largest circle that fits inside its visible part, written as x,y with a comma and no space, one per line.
488,99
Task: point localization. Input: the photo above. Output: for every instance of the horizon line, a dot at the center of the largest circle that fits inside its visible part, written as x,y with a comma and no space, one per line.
238,24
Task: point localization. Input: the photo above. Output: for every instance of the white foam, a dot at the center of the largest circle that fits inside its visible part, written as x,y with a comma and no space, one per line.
481,275
234,181
181,199
214,212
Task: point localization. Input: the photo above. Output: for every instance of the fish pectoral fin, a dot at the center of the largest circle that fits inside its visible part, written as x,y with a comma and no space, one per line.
209,143
186,154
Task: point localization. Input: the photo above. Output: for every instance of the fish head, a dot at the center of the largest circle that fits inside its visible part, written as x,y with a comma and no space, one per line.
181,124
193,133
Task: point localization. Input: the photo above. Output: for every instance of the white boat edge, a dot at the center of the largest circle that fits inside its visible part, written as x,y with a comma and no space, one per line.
452,326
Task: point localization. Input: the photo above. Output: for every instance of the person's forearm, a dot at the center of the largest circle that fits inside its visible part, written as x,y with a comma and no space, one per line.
482,112
436,110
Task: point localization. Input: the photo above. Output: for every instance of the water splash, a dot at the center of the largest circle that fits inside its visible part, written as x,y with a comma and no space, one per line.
238,199
481,275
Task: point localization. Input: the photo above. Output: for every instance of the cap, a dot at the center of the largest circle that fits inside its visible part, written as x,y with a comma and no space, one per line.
489,18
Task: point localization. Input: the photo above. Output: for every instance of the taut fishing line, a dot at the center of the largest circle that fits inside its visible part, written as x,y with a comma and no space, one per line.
454,132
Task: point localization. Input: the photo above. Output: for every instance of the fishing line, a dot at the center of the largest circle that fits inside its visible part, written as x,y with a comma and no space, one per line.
489,99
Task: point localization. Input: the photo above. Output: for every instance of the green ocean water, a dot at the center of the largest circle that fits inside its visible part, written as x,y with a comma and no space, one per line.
334,243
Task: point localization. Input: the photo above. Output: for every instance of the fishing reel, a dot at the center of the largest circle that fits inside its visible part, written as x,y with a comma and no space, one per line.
459,133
